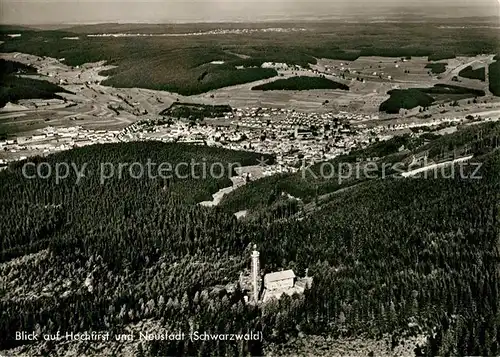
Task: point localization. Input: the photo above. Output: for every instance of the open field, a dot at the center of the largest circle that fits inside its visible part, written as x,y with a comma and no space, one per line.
318,100
301,83
365,95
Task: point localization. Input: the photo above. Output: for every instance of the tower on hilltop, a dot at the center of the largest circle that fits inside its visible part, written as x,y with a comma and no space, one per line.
255,273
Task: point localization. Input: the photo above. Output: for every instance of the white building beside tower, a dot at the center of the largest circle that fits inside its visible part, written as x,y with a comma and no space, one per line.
275,284
279,280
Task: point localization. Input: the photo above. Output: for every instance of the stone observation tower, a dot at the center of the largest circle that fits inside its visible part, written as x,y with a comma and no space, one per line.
273,286
255,273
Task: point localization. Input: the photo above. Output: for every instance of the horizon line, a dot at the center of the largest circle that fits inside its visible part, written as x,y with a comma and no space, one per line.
243,21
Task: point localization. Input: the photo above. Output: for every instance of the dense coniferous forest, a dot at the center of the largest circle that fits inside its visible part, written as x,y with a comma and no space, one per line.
391,256
437,68
11,67
14,87
494,76
441,55
195,111
424,97
405,99
468,72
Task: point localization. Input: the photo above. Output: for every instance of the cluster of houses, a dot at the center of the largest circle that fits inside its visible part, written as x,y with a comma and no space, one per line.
293,137
437,122
50,140
200,33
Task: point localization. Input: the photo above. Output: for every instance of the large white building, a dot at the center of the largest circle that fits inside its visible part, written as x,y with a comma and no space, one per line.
279,280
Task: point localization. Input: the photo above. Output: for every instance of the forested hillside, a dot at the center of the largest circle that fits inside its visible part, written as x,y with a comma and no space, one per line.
14,87
393,256
311,185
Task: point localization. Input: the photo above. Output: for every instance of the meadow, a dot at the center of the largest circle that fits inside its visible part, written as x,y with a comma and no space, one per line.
301,83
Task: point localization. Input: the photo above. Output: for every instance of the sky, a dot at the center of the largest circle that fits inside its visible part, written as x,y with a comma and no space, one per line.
94,11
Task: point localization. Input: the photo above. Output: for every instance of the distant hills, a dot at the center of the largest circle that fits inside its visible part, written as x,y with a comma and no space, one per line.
35,12
391,258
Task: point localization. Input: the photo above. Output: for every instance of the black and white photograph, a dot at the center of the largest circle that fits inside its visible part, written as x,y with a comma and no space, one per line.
278,178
